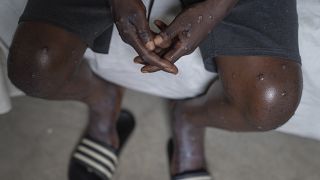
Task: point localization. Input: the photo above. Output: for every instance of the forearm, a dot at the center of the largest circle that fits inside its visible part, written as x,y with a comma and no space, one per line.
206,15
218,9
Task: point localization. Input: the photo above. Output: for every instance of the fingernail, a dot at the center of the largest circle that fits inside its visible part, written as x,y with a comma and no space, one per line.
144,70
170,70
150,46
169,65
137,62
158,40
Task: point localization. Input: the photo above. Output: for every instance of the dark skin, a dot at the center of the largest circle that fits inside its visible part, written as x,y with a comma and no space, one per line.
252,93
188,29
45,61
132,24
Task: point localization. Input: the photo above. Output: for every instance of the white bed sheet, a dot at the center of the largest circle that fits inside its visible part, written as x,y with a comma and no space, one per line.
306,121
10,11
192,78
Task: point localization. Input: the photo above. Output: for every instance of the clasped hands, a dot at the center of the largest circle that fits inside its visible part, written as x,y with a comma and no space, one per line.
160,51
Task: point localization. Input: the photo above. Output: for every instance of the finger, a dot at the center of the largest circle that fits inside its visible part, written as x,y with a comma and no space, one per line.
179,50
152,69
138,60
160,24
165,38
149,57
173,55
144,32
162,40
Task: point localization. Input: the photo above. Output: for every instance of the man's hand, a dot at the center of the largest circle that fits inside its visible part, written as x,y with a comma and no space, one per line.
189,28
132,24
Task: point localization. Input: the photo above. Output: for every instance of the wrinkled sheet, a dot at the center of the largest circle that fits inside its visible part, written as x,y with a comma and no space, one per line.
117,66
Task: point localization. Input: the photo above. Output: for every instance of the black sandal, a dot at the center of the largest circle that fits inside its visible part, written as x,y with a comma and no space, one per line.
94,160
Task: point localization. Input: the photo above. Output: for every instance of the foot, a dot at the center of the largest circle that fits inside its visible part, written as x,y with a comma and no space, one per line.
95,160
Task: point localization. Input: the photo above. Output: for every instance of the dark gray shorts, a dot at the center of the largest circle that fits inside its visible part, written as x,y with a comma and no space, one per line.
90,20
253,28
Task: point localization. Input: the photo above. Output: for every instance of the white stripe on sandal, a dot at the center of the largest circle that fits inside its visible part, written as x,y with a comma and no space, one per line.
93,164
101,149
97,157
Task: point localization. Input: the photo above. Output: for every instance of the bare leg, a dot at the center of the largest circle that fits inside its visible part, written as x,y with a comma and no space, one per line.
188,145
46,62
252,94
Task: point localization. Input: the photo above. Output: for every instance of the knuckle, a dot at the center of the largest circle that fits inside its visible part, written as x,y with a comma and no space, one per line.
144,35
120,21
145,58
133,17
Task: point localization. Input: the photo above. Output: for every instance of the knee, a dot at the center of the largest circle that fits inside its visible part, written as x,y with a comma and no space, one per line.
42,58
272,106
32,70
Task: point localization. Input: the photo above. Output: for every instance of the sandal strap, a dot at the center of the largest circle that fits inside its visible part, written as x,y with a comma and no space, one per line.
96,157
196,175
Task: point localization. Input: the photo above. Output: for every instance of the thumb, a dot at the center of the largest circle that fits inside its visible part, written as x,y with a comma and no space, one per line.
168,34
145,34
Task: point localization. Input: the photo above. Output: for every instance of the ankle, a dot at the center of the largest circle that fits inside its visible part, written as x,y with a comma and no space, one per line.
188,151
102,126
105,135
186,162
